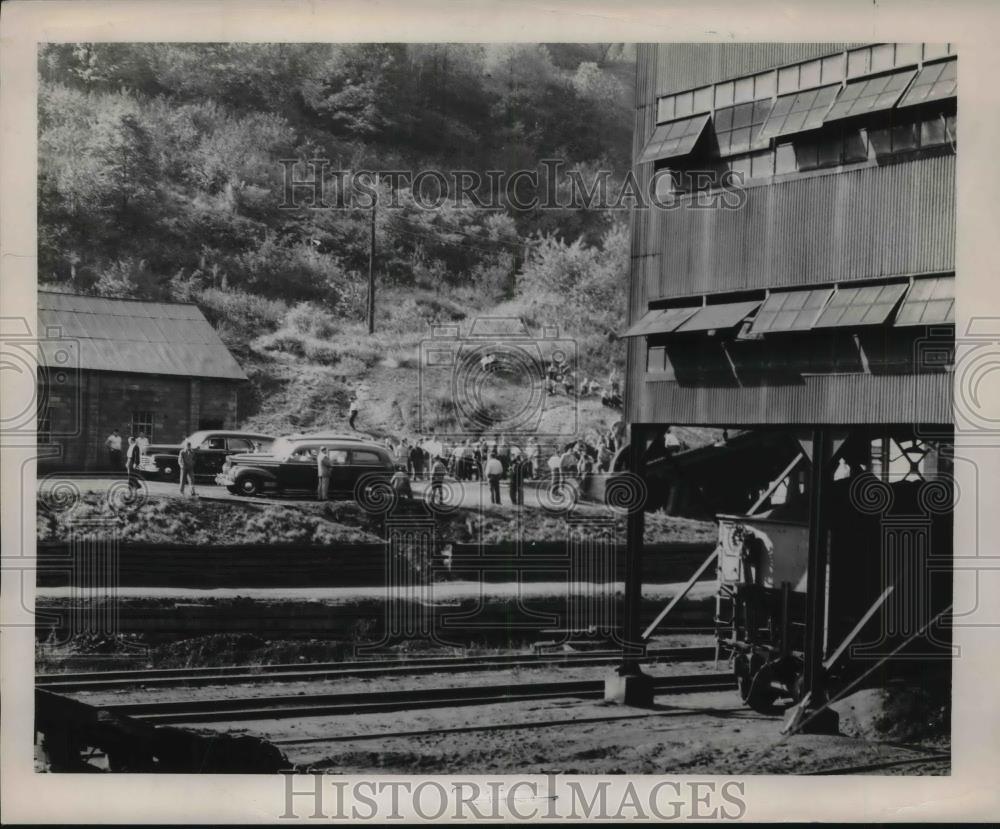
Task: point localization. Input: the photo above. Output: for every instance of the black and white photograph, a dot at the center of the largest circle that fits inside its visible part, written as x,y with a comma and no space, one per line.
540,407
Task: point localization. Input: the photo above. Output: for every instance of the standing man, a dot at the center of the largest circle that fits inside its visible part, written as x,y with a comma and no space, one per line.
494,470
185,464
114,444
353,412
438,471
568,465
518,468
133,455
417,460
554,465
143,442
323,470
401,483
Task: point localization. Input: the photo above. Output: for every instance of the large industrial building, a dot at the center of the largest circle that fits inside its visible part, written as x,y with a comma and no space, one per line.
152,368
801,277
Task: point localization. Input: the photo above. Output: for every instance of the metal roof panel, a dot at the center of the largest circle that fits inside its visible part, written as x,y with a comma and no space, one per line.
660,321
867,95
723,315
137,337
935,82
930,301
865,305
674,139
790,311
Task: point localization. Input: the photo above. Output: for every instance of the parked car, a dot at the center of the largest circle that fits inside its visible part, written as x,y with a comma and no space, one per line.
210,452
289,468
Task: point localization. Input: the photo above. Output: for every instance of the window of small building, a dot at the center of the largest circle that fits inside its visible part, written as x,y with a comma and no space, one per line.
142,424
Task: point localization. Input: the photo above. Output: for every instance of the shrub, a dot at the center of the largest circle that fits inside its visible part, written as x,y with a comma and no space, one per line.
245,315
307,318
320,352
285,342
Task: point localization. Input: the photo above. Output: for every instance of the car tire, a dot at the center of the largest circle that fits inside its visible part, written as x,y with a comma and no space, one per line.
249,486
169,473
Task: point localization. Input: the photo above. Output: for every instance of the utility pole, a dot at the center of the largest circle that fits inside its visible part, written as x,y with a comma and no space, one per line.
371,276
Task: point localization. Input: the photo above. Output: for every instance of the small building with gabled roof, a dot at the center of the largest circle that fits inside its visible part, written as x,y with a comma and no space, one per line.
157,369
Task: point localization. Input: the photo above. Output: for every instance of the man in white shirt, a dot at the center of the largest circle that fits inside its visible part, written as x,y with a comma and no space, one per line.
143,442
114,444
493,470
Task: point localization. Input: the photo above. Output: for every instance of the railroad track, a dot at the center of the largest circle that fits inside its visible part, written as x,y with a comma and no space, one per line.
352,704
928,759
241,674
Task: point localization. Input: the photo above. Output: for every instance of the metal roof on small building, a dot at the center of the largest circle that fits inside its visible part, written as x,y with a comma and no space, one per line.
130,336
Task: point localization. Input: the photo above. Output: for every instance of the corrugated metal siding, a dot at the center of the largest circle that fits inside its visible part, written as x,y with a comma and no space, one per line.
681,66
837,398
132,337
861,223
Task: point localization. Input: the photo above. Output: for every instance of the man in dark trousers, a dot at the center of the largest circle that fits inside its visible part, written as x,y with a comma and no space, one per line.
185,464
353,412
494,471
438,471
114,444
417,460
324,468
133,455
518,468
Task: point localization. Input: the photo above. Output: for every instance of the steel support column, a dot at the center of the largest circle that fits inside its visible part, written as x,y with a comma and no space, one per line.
629,685
816,578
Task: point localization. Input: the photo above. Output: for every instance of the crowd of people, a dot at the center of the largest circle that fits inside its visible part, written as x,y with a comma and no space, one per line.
495,461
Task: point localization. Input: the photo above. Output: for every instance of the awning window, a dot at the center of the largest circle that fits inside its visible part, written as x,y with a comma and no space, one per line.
738,128
660,321
675,139
866,305
930,301
723,315
798,112
790,311
868,95
934,83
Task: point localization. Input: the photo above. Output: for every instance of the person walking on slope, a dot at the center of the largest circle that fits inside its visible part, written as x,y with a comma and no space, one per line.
494,470
353,412
185,464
